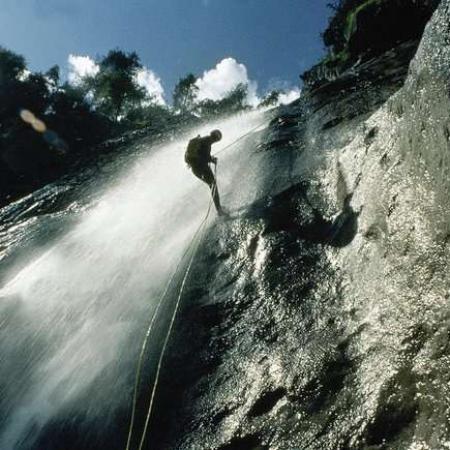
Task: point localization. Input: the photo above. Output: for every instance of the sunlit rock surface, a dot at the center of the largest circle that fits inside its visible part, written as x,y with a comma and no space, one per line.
315,317
319,318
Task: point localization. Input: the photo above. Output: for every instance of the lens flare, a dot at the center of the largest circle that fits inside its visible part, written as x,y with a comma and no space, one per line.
27,116
39,126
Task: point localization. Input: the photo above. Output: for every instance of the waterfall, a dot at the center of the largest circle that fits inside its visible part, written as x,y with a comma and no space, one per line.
73,318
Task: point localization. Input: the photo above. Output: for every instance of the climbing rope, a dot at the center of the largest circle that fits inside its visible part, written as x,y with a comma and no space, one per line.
169,332
241,137
201,228
147,336
194,244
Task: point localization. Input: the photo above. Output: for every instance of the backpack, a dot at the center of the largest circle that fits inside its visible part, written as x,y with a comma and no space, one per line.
193,150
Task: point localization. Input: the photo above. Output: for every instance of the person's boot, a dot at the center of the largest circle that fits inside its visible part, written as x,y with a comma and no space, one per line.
222,212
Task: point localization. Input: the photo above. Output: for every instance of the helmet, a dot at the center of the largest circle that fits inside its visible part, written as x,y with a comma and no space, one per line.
216,135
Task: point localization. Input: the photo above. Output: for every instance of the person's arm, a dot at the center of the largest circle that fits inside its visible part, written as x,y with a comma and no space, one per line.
211,159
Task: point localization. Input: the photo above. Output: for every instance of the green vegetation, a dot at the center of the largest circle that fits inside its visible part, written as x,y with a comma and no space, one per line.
270,99
342,23
115,91
185,93
350,20
234,102
360,29
342,26
11,66
48,126
40,120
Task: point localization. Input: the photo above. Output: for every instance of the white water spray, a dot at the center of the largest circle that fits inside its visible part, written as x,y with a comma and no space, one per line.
72,316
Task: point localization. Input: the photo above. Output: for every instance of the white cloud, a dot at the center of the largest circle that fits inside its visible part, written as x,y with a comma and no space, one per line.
24,75
218,82
152,84
287,97
80,67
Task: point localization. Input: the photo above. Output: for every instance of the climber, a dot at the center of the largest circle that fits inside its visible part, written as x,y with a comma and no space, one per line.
198,157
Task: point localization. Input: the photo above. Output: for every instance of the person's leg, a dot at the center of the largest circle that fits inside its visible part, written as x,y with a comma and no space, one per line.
206,174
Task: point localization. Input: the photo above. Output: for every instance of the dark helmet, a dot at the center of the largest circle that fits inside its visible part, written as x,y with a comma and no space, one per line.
216,135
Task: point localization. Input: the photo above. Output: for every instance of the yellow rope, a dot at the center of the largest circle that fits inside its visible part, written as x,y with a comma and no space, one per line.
146,339
241,137
194,243
160,362
151,325
175,311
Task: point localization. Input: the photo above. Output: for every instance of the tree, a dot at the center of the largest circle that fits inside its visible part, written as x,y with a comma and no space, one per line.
155,118
233,102
270,99
11,65
69,106
31,94
53,75
185,93
114,88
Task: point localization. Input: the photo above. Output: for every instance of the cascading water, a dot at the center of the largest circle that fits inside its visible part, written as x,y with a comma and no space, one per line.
73,318
318,319
322,320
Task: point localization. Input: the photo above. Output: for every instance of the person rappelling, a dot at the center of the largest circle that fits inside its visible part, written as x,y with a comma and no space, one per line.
198,158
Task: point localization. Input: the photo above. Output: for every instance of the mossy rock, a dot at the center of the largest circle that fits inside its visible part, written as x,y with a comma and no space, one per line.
379,25
368,28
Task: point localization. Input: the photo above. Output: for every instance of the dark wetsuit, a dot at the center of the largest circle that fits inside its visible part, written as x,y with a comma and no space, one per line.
198,157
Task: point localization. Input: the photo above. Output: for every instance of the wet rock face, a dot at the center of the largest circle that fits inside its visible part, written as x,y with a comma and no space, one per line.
318,317
364,29
382,25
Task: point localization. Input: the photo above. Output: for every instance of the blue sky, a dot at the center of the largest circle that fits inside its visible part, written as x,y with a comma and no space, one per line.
275,39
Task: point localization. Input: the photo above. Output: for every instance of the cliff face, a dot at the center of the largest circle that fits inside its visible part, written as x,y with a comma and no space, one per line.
363,29
318,318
